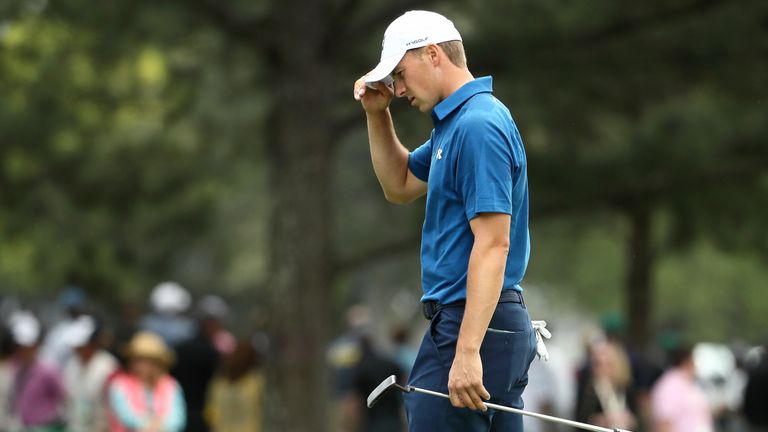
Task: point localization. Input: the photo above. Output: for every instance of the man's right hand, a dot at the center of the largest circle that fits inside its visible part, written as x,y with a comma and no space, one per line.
373,100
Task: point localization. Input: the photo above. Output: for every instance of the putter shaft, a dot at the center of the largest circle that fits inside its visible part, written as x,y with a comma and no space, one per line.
566,422
391,383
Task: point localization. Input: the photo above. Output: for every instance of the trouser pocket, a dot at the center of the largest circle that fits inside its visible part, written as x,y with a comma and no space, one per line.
505,351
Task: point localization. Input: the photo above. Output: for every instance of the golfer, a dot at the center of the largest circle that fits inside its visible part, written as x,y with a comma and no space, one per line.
475,242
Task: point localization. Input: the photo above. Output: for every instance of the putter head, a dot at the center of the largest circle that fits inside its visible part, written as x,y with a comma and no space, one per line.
382,388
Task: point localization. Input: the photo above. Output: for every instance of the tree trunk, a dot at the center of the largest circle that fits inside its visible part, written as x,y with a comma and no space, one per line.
640,260
300,251
299,152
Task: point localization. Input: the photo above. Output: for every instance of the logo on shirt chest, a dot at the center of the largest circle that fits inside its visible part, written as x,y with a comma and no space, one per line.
439,154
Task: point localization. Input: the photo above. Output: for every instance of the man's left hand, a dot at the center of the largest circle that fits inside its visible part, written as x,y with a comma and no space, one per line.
465,381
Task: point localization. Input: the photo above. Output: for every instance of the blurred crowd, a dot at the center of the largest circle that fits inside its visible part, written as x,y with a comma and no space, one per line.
359,362
675,386
175,367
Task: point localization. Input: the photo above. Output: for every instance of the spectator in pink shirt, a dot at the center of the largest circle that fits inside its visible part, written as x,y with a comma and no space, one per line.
38,393
677,403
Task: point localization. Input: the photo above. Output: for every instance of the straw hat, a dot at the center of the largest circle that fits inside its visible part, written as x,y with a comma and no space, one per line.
150,346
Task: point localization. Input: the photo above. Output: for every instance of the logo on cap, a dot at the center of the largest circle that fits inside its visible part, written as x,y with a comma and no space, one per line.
416,41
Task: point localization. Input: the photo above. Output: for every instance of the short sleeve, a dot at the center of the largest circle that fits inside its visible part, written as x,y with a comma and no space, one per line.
663,400
420,160
485,168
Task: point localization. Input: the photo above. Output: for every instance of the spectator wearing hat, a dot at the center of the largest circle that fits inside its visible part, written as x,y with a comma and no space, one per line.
54,349
146,398
169,301
38,393
85,377
198,359
213,312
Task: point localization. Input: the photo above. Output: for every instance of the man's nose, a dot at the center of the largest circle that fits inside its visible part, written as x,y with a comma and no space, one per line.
399,89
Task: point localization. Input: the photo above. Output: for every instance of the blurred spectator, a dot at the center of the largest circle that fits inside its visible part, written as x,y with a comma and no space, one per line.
342,356
756,394
722,382
677,403
213,312
197,361
551,385
169,301
38,391
6,378
644,371
345,351
405,353
607,399
85,377
146,398
125,328
388,413
237,392
539,396
54,350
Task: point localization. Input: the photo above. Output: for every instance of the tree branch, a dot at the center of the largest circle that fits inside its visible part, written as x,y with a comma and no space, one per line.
658,189
631,25
578,43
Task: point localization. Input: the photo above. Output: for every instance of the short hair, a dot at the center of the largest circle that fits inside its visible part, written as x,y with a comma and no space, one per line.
680,355
454,50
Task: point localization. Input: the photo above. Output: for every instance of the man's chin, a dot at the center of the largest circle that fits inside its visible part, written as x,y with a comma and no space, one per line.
424,108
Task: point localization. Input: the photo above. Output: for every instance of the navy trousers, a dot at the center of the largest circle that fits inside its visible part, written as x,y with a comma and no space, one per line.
508,348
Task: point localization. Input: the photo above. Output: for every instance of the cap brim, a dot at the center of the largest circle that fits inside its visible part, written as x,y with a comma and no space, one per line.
383,71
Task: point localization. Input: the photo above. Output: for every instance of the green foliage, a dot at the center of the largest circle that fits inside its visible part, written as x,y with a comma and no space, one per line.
216,143
100,185
717,296
134,137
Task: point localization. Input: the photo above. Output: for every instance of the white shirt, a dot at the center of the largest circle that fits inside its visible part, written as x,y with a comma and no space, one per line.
86,393
8,422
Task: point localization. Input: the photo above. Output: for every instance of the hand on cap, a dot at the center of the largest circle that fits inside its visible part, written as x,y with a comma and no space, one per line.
373,99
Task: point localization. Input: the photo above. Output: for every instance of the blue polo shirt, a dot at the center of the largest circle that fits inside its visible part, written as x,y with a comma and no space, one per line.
473,162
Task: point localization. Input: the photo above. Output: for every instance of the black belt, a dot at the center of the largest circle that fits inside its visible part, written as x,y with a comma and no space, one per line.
430,308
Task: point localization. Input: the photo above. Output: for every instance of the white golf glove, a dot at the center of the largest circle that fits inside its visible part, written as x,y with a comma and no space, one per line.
540,327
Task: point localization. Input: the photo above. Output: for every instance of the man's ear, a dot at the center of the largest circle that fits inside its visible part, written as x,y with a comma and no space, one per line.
433,54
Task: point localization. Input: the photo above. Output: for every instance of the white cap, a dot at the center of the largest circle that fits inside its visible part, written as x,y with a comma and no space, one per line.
413,29
80,331
170,297
25,328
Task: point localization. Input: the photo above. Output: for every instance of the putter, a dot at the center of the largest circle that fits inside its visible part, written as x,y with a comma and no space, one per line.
390,383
